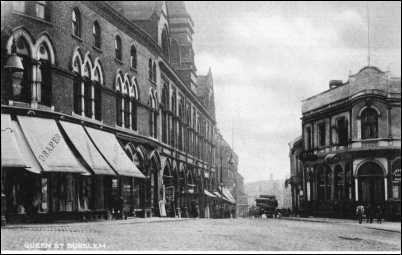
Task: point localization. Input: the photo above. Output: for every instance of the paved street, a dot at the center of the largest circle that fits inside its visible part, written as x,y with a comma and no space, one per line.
201,234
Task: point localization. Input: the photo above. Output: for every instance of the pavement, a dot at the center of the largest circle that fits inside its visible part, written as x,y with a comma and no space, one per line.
385,225
174,234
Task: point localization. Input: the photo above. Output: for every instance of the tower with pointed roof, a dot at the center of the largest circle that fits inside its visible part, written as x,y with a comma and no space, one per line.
181,32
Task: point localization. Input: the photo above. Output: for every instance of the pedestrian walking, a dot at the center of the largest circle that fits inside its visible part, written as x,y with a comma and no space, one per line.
379,214
369,214
359,213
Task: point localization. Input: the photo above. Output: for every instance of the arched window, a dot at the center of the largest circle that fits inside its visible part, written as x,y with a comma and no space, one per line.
396,180
96,31
77,90
369,124
133,57
165,105
126,104
174,120
97,80
153,121
88,99
118,48
181,116
165,42
119,100
43,76
134,101
76,22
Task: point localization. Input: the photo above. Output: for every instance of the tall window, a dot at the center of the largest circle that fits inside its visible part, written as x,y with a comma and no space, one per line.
126,105
342,130
308,138
165,105
78,93
88,99
134,101
174,111
76,22
98,94
133,57
118,48
153,115
369,124
165,41
43,77
321,134
396,180
96,32
181,116
119,101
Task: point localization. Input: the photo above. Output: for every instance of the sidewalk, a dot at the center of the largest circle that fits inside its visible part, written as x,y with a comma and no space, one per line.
385,226
130,220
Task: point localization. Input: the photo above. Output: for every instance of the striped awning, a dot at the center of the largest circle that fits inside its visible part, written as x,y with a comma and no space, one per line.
114,154
48,145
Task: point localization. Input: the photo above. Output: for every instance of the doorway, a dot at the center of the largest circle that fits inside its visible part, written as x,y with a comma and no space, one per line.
371,183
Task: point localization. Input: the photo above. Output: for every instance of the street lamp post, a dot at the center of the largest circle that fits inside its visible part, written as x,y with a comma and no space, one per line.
15,71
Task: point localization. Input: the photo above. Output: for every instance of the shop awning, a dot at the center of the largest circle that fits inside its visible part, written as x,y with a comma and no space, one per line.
26,151
228,195
110,148
81,141
217,194
49,146
209,194
11,156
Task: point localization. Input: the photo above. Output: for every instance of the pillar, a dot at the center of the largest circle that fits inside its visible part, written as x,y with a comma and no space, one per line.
356,190
386,188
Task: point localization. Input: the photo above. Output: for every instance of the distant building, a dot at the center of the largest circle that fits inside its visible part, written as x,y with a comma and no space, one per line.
351,147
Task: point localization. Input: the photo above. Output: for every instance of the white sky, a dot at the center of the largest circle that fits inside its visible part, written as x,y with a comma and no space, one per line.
268,56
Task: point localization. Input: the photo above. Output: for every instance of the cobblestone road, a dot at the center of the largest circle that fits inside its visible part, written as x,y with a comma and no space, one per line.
200,234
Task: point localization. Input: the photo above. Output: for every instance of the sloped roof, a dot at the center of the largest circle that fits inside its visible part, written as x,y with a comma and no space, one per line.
368,78
138,10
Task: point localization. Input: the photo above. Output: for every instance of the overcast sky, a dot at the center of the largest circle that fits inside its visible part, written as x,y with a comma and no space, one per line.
268,56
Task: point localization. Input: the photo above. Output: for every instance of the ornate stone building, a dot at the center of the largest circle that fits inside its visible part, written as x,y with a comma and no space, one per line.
350,150
103,111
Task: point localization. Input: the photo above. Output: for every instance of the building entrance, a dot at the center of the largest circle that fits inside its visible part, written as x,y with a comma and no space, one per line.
371,183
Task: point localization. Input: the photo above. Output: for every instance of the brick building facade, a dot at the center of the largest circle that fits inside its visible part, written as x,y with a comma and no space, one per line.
122,71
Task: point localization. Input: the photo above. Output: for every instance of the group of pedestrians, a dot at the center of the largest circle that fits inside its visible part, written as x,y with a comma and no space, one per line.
369,212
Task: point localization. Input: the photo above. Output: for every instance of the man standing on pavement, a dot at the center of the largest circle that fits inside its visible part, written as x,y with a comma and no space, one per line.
359,213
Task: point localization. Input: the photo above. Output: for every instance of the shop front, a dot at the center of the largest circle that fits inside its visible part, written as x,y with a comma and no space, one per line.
53,170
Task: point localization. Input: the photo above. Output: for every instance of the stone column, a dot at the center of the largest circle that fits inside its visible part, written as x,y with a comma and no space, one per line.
386,188
356,189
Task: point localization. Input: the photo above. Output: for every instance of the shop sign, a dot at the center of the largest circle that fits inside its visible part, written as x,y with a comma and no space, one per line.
49,148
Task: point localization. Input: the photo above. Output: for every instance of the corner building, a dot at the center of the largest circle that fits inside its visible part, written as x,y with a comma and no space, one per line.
103,113
350,149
